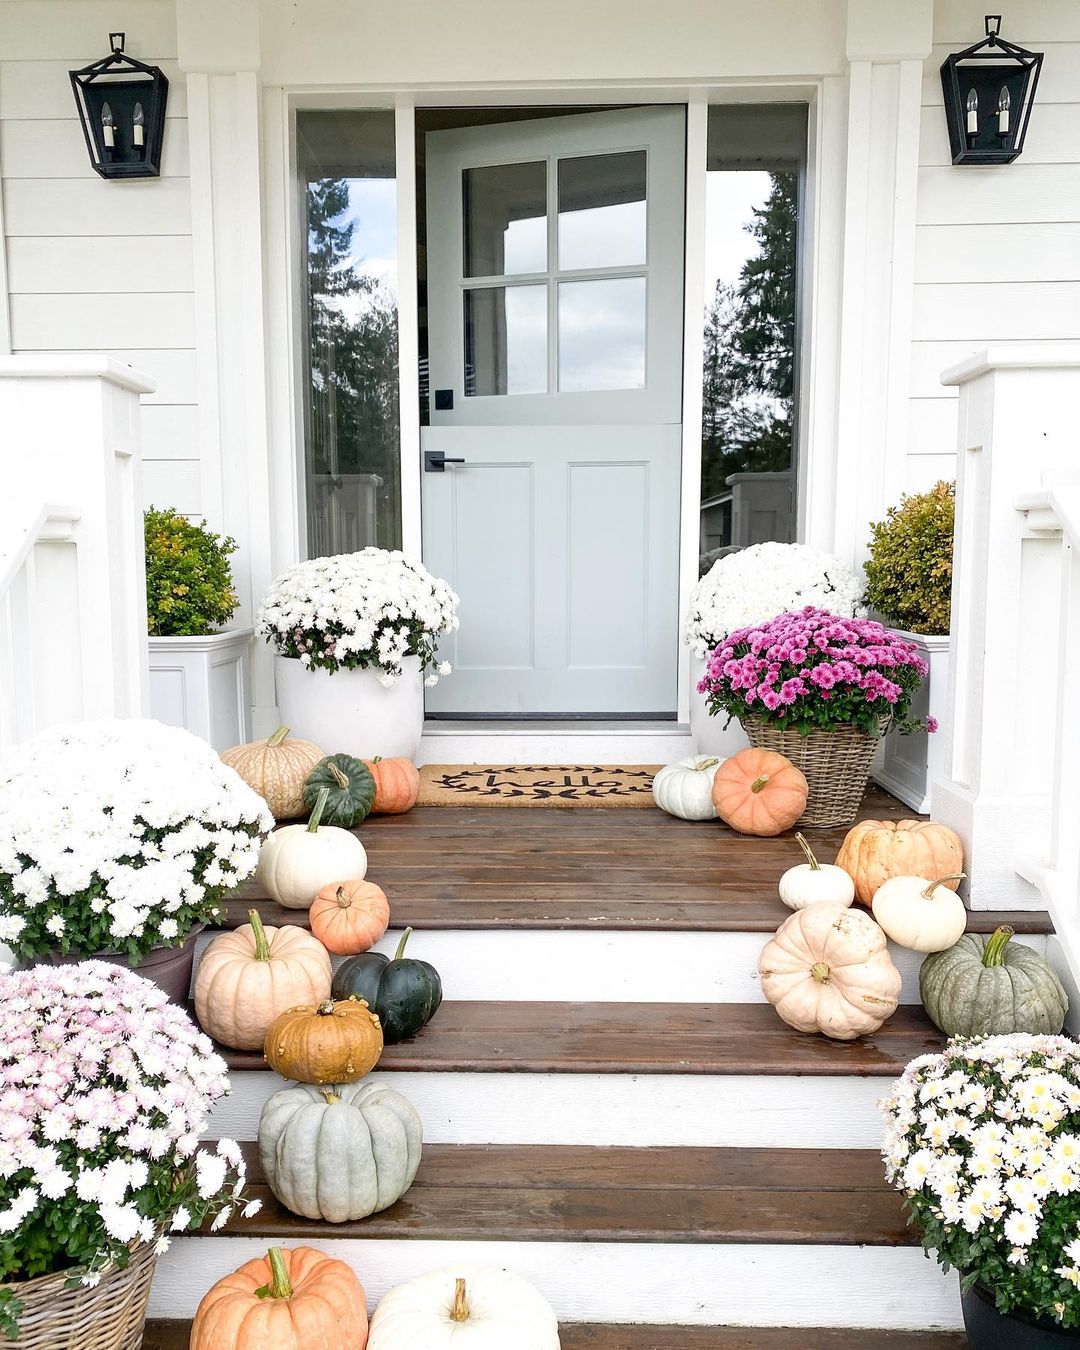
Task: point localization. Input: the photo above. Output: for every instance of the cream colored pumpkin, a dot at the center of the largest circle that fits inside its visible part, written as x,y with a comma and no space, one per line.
296,862
924,916
828,970
464,1308
811,882
276,769
684,789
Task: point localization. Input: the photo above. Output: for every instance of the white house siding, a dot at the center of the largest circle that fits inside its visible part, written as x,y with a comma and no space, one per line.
94,266
997,252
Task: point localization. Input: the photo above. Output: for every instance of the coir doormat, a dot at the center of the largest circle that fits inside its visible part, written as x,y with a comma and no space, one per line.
550,785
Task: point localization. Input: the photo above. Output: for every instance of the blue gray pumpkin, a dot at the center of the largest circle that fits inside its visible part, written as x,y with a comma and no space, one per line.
989,986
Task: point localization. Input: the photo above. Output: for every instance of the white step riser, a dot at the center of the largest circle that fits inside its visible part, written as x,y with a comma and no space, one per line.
605,966
739,1284
742,1111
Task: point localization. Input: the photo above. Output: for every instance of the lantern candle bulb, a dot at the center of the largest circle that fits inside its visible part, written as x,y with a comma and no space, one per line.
1004,103
137,123
107,125
972,113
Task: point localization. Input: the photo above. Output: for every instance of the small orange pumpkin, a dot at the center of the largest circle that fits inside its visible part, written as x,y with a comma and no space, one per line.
349,916
325,1043
397,785
874,851
287,1300
759,792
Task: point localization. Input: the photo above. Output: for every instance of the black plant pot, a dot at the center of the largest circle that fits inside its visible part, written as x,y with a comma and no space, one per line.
988,1329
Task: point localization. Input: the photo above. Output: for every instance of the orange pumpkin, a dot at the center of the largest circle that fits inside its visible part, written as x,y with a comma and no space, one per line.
759,792
397,785
287,1300
325,1043
349,916
874,851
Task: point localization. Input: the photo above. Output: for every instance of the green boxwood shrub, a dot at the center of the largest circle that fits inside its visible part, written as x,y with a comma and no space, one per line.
909,574
189,585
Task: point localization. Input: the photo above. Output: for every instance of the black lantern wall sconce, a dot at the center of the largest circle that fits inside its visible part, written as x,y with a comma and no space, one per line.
989,89
121,106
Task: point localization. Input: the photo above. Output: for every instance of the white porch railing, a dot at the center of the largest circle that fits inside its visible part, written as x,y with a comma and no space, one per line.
72,586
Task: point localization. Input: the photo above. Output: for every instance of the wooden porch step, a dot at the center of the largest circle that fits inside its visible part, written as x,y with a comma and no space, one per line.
641,1038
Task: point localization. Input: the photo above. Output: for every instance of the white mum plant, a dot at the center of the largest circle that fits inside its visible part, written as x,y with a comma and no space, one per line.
106,1092
119,836
984,1141
747,588
358,611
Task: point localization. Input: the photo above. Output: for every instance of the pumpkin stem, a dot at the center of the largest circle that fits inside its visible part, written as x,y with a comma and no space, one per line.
262,947
759,783
325,1008
280,1285
704,764
278,736
342,899
332,1099
401,945
376,759
815,866
317,810
335,773
994,951
928,894
460,1310
820,972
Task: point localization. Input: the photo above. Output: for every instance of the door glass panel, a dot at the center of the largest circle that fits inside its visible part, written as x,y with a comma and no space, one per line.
602,334
504,209
602,210
506,340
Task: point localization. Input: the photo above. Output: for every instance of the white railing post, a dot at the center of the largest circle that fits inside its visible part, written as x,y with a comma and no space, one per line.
1019,433
71,545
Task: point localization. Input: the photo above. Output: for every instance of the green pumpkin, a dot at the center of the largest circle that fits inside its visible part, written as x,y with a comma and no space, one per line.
350,788
983,986
406,994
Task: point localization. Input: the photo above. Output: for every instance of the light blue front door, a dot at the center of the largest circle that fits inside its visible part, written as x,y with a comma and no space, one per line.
552,459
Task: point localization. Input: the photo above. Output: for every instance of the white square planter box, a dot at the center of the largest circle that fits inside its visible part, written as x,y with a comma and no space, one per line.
204,685
907,765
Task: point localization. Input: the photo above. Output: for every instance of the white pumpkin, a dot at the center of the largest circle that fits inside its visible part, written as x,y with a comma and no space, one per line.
296,862
339,1153
684,789
924,916
464,1308
811,882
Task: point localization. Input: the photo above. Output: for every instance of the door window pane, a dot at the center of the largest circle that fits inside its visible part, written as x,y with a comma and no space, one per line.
504,208
602,213
602,334
351,441
506,340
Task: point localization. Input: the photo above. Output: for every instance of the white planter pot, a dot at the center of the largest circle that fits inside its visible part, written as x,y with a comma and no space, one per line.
204,685
907,765
349,710
710,735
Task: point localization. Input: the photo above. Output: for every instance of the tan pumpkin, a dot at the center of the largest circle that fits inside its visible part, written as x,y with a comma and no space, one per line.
759,792
828,970
397,785
876,850
326,1042
349,916
249,976
276,769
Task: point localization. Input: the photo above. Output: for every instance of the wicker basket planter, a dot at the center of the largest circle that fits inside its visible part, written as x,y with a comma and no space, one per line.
836,765
109,1316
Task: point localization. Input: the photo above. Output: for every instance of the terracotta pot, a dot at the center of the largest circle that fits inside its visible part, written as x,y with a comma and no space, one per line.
988,1329
169,967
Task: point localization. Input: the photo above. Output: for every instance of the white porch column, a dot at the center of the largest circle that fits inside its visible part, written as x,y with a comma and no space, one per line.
1018,436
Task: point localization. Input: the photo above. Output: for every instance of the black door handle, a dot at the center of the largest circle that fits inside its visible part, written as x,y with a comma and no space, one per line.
435,461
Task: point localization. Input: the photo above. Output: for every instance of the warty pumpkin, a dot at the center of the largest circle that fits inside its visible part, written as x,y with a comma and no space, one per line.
990,986
811,882
875,850
465,1308
276,769
684,789
288,1300
922,915
349,916
339,1153
296,862
759,792
325,1043
247,977
828,970
397,785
